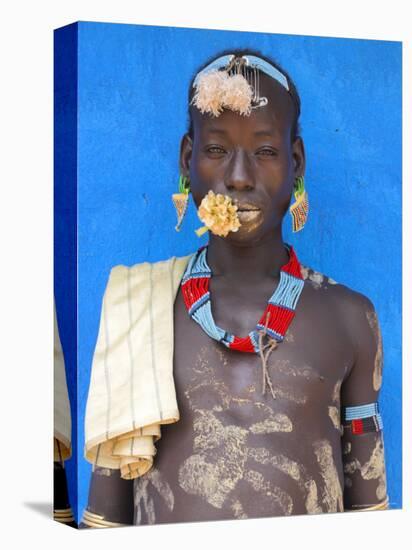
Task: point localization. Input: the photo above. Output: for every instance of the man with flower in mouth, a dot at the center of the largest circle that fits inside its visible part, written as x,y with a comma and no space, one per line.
275,368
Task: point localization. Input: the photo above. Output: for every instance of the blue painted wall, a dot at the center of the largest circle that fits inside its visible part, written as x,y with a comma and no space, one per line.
65,222
132,113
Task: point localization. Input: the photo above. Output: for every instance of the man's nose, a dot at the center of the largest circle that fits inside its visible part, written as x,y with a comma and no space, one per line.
239,173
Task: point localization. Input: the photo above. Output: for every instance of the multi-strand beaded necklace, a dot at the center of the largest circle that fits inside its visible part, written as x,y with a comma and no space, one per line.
276,318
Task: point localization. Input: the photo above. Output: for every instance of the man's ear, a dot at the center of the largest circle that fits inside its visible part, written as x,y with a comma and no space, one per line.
186,148
298,154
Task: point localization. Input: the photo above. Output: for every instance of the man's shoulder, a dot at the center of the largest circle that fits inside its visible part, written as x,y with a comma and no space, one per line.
350,302
315,278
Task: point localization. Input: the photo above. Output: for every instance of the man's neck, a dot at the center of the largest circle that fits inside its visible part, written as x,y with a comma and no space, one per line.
247,263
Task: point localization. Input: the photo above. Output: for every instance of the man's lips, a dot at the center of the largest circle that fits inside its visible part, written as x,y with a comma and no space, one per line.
248,212
246,216
247,207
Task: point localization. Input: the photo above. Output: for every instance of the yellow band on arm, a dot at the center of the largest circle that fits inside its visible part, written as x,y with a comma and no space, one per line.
384,505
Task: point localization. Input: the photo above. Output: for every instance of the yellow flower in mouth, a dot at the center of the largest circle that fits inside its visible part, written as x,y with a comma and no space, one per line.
219,214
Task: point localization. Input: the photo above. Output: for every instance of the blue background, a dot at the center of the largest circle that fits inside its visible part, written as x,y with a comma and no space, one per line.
132,112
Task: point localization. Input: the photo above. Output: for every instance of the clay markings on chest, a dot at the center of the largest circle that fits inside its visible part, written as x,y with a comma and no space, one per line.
143,487
222,454
333,496
334,409
293,373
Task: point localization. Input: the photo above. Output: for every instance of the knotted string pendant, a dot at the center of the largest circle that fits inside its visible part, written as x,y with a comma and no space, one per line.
274,322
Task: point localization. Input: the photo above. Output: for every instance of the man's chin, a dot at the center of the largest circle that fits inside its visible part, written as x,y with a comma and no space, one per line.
245,236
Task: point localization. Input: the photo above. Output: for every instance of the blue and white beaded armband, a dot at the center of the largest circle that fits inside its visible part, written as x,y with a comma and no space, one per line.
362,418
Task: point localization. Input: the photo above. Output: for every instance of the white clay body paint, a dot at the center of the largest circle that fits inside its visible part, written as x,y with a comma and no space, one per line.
377,371
334,410
142,500
332,495
293,469
222,454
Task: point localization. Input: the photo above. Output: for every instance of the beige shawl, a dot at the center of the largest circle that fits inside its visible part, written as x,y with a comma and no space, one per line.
132,389
62,416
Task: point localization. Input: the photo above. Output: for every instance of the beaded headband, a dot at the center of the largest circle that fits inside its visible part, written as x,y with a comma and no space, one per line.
236,87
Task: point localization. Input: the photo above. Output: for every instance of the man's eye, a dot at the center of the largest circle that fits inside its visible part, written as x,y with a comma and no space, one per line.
267,152
215,149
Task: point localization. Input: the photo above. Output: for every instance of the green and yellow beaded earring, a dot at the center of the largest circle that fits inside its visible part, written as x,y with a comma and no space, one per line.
181,199
300,208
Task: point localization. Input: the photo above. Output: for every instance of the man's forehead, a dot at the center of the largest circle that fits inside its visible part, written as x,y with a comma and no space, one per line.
259,131
264,121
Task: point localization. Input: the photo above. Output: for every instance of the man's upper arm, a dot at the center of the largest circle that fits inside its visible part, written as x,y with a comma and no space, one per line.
362,440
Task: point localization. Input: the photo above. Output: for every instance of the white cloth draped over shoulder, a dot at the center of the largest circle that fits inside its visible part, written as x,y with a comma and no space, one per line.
62,415
132,389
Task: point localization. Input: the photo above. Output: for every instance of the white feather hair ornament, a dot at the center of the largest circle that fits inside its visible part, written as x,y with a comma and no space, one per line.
217,90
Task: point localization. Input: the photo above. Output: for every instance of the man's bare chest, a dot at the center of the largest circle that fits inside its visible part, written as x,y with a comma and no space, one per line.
236,452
